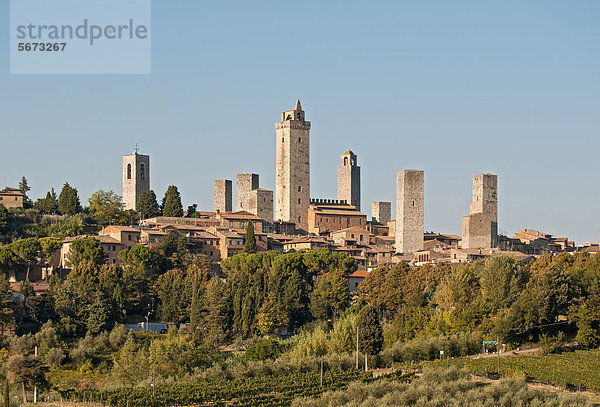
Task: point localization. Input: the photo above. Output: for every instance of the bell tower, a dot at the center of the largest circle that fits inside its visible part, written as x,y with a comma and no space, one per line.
292,167
136,178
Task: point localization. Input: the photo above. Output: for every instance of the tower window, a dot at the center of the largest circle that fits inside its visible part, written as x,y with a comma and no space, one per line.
413,203
299,218
128,171
142,171
283,139
300,188
299,139
299,200
345,160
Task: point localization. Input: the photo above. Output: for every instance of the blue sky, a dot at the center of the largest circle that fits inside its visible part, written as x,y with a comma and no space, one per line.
453,88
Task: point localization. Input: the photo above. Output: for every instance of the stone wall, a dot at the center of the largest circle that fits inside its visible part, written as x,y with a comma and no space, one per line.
260,203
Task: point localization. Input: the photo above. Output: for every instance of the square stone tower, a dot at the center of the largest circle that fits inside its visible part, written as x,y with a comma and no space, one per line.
480,227
292,167
348,180
410,211
244,183
381,212
223,195
136,178
260,203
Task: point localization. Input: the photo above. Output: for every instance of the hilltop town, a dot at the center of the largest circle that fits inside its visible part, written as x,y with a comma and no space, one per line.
288,219
285,298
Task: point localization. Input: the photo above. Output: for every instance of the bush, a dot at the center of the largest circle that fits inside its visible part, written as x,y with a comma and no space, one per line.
263,350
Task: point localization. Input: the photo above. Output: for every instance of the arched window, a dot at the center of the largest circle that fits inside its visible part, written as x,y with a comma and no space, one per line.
128,171
142,171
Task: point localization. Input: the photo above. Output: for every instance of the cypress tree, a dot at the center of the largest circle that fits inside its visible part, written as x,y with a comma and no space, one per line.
68,200
370,331
147,205
250,243
172,203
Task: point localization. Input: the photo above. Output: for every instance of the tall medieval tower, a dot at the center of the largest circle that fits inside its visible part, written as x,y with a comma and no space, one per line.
480,227
292,167
348,180
410,211
136,178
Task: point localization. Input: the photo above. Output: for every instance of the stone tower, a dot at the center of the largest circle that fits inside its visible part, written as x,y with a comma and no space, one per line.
348,180
244,183
223,195
381,212
136,178
480,227
410,211
260,203
292,167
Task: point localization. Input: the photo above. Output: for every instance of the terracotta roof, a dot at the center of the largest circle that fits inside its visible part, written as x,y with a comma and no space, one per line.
119,228
360,273
243,215
11,191
101,238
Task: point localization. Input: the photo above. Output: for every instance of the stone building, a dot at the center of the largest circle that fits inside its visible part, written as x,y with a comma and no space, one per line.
381,212
136,178
480,227
292,167
260,203
223,195
244,183
327,215
348,180
410,211
11,197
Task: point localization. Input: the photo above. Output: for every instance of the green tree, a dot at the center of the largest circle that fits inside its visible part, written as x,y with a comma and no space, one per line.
24,188
370,332
49,246
250,241
4,215
191,211
68,201
502,279
330,295
28,250
7,318
86,248
106,207
147,205
29,371
98,315
171,205
216,309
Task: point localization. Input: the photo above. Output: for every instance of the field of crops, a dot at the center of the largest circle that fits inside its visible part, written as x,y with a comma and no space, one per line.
277,390
570,370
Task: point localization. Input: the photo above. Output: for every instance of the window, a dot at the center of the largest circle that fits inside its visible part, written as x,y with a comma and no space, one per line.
283,139
299,200
300,188
142,171
413,203
299,139
128,237
299,218
128,171
345,160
